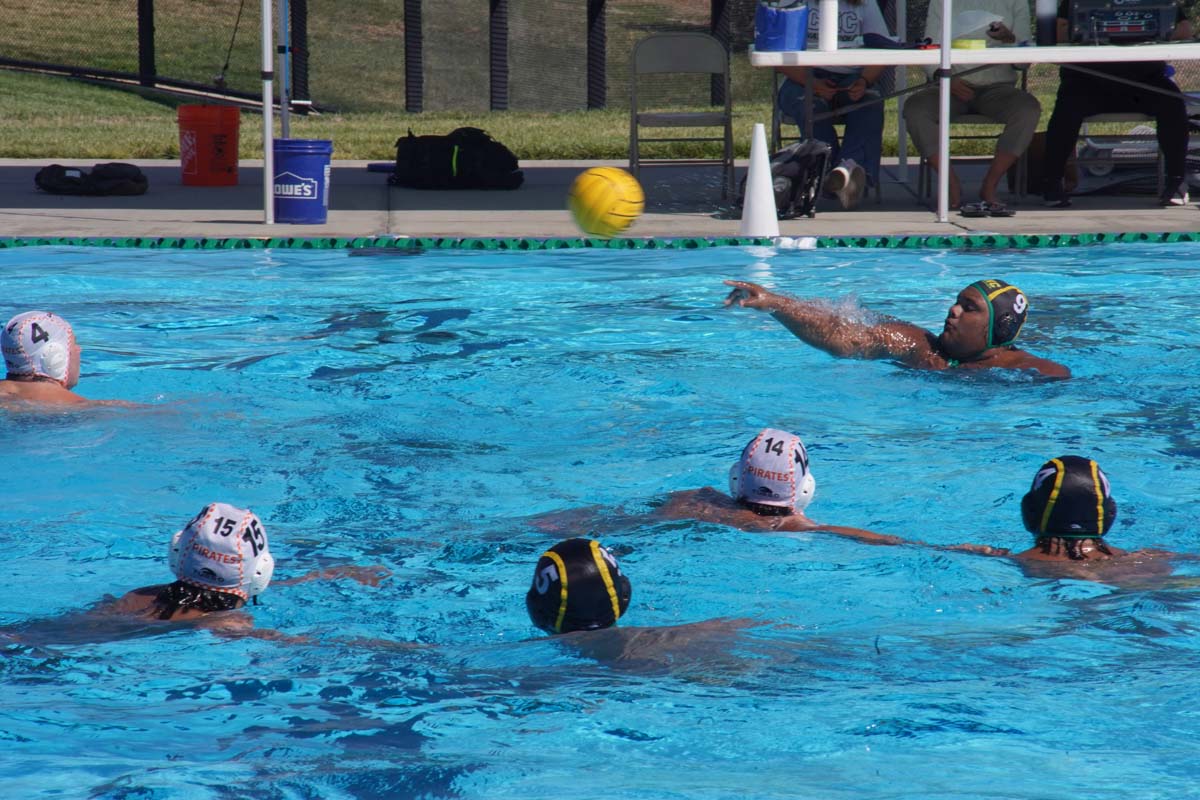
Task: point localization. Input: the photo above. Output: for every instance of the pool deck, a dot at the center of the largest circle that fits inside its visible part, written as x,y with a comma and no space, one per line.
681,202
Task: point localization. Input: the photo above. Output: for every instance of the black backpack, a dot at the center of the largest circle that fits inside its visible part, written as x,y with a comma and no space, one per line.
112,178
796,174
465,158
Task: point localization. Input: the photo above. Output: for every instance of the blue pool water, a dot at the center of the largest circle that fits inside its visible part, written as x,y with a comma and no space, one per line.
417,412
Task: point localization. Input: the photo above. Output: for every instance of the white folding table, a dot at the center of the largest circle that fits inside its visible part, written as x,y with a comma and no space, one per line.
828,54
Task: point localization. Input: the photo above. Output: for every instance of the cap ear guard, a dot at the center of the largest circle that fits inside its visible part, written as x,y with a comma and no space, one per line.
1007,309
805,492
1070,498
56,361
174,550
260,578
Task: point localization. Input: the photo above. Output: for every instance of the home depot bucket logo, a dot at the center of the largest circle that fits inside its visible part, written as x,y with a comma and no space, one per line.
292,186
187,152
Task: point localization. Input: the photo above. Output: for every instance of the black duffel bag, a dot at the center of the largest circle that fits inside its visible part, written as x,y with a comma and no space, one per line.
465,158
114,178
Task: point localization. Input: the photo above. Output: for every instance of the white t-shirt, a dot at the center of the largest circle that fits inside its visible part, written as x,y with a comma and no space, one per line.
853,22
1013,13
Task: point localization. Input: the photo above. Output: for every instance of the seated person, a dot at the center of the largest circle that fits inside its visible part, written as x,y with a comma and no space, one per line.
856,157
991,91
1081,95
1068,509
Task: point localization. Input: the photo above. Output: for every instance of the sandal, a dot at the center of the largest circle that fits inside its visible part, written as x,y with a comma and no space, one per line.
985,209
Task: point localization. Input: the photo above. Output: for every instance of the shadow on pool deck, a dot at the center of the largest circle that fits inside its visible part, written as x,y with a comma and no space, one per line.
680,202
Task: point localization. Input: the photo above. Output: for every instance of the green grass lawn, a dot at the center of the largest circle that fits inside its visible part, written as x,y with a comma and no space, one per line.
53,117
47,117
357,68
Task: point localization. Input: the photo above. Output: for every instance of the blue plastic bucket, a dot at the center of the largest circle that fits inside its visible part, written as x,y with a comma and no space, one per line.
302,180
780,28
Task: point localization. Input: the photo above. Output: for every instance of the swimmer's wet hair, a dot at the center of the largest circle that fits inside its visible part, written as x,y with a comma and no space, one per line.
1073,547
765,511
180,596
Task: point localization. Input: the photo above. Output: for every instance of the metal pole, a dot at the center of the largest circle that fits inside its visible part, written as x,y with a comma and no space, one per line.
901,32
943,209
146,69
827,33
285,57
414,58
597,53
268,77
719,26
298,53
498,54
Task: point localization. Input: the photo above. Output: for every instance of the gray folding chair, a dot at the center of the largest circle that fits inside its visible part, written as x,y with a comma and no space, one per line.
681,53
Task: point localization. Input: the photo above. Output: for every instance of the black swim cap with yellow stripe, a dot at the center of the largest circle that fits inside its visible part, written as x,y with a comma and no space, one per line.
1070,497
1007,309
577,586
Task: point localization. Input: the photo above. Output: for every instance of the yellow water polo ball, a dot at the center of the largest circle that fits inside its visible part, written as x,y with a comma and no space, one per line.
605,200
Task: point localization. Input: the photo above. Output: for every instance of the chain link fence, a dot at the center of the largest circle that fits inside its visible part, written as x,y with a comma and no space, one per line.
212,46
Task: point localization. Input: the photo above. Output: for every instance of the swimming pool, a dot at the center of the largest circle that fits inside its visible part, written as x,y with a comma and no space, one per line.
416,411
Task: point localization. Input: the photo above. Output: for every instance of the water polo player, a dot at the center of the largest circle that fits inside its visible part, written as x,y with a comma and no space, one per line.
579,590
220,560
770,487
577,586
41,357
1069,508
978,333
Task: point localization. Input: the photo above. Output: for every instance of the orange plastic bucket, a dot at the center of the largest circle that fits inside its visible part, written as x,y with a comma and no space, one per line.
208,145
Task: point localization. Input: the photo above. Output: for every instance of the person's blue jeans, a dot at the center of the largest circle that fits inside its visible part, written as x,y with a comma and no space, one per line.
863,138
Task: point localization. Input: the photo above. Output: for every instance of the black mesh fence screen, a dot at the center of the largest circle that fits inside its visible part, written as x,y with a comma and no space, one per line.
468,55
547,52
193,42
629,21
456,55
356,55
102,34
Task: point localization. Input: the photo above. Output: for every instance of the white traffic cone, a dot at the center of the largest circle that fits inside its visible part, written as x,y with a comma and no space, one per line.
759,218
